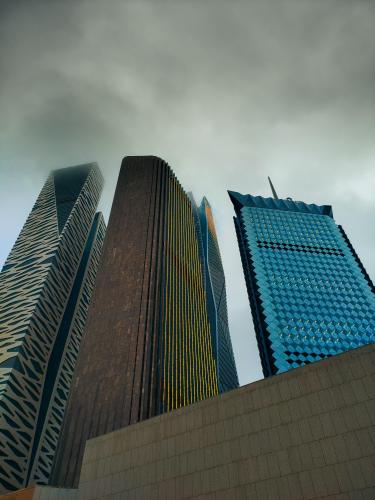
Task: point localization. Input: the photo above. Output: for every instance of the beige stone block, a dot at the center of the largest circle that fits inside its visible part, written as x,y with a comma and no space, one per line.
237,405
274,439
116,483
368,494
284,390
244,449
316,427
187,486
255,423
370,407
356,368
192,465
233,474
254,443
247,446
324,376
343,477
284,436
251,492
357,476
339,421
317,454
367,363
264,418
197,483
257,398
352,446
331,483
253,469
294,432
366,439
294,459
273,465
210,414
329,450
314,403
237,493
262,491
328,425
295,387
283,462
307,485
229,429
248,402
284,411
242,472
222,477
364,418
283,488
367,465
295,486
115,463
262,467
272,489
275,417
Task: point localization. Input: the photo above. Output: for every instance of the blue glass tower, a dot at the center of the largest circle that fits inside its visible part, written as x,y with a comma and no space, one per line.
310,296
216,299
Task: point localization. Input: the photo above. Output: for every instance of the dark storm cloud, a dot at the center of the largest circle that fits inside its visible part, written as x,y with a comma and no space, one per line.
226,92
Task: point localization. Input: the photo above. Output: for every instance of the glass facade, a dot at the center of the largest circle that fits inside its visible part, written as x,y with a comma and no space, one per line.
216,298
310,296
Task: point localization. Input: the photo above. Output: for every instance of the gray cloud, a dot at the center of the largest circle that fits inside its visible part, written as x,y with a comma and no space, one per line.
226,92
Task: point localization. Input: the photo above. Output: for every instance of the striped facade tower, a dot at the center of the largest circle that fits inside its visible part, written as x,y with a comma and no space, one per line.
148,345
45,288
214,278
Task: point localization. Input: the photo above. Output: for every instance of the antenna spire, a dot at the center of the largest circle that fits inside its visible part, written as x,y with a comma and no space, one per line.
274,194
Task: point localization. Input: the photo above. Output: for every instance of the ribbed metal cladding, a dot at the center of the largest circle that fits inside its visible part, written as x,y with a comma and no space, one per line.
147,347
189,369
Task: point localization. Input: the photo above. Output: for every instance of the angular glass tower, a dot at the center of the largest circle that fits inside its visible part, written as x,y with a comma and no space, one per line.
148,345
310,295
45,288
216,298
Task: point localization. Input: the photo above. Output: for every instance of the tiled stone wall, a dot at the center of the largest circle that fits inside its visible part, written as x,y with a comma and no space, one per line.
305,434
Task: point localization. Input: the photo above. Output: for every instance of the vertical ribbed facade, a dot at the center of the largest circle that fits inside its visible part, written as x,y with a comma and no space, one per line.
310,296
189,369
147,347
216,299
36,284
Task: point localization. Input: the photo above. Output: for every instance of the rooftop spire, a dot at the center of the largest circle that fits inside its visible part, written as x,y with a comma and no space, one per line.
274,194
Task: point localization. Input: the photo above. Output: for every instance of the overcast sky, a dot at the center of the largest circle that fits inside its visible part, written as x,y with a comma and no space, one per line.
226,92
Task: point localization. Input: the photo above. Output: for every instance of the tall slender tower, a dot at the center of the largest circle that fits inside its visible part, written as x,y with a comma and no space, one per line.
216,298
310,295
147,348
45,286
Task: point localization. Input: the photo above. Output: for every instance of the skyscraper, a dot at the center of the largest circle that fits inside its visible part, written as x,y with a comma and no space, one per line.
147,347
310,295
45,287
216,298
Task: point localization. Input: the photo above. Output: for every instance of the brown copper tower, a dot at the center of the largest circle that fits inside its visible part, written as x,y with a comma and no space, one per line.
147,347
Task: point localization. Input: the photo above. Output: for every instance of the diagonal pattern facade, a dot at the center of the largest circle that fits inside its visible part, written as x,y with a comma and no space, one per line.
35,284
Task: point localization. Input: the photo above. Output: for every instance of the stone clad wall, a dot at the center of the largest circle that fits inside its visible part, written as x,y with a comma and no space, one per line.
308,433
